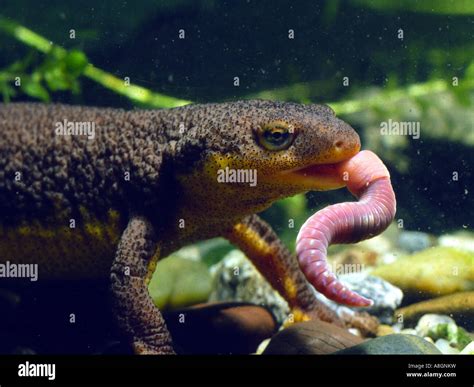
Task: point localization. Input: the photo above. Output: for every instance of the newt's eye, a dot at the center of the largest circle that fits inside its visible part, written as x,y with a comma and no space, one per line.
276,136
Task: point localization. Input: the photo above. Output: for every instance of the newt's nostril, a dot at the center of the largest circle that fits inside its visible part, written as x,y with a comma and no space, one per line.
339,144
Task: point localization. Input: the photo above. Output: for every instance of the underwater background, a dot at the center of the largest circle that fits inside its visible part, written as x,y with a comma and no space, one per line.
375,63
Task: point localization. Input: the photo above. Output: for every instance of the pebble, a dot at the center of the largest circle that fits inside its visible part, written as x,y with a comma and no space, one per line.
462,240
409,331
386,297
429,339
413,241
396,344
429,323
311,338
458,306
179,282
354,257
432,272
262,346
380,244
444,346
220,328
384,330
469,349
237,279
443,327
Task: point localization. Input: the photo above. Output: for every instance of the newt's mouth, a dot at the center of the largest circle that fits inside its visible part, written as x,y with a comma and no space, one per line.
315,176
325,173
317,170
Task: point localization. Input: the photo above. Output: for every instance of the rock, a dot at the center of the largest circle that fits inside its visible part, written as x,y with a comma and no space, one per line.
355,331
383,243
459,306
433,272
443,331
354,257
362,323
445,347
461,240
443,327
457,337
409,331
220,328
429,323
310,338
429,339
384,330
179,282
237,279
390,257
469,349
386,297
413,241
396,344
262,346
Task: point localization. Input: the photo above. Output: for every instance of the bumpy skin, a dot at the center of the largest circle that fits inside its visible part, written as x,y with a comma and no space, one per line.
146,185
269,255
128,271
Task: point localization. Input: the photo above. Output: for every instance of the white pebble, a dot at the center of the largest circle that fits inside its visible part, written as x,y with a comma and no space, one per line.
444,347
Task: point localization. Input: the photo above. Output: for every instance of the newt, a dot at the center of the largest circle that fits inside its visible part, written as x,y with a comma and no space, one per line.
139,184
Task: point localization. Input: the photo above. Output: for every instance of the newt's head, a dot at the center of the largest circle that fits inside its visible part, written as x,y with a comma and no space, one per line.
255,152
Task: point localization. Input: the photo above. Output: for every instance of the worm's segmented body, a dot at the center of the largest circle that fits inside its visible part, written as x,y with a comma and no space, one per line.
368,179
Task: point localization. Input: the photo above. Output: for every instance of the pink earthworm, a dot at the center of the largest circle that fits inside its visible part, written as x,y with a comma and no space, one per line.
368,179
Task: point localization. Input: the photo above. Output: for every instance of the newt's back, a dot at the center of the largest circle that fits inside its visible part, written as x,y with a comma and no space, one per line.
63,185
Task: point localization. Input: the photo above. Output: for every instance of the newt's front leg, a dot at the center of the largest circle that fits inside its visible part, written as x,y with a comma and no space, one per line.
136,313
280,267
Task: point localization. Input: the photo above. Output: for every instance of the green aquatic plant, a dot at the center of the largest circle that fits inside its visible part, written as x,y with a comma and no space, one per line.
457,336
58,71
447,7
58,59
61,68
374,98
